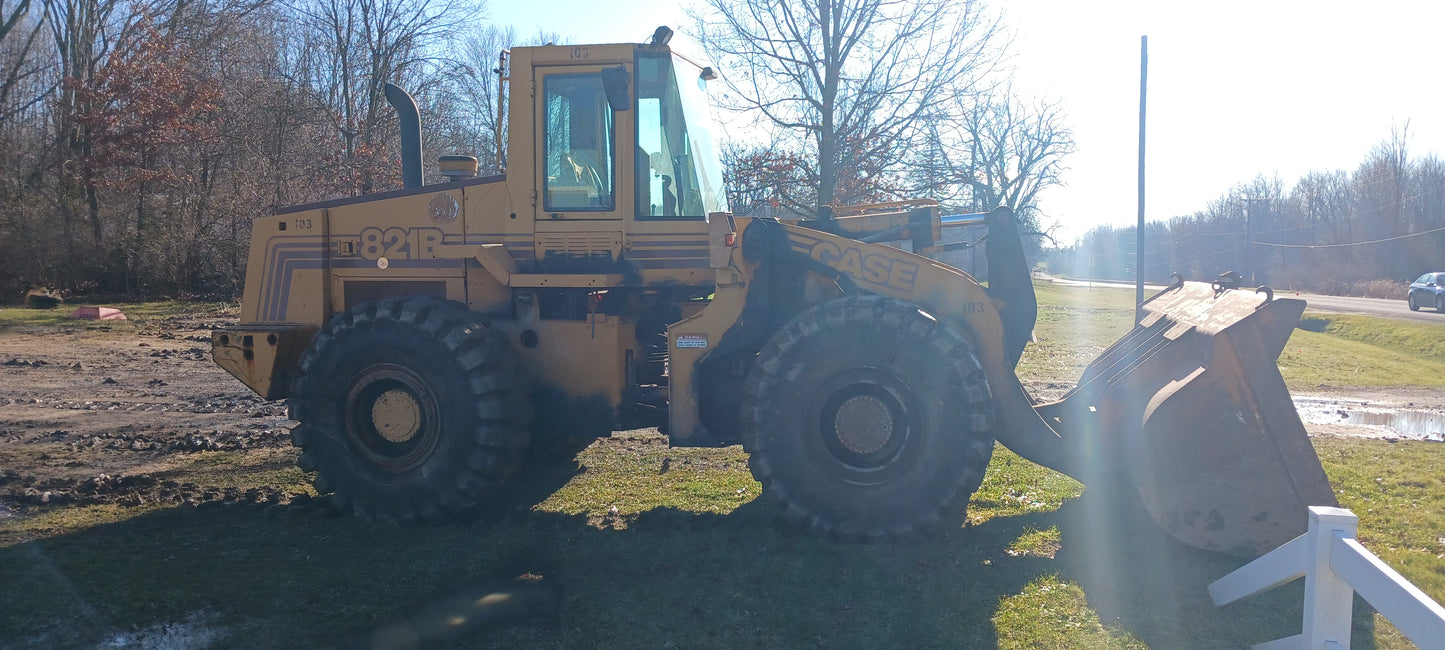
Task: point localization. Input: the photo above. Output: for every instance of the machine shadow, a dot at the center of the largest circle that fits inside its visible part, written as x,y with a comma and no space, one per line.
1138,577
509,574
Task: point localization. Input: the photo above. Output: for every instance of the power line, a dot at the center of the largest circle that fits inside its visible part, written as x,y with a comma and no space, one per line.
1359,243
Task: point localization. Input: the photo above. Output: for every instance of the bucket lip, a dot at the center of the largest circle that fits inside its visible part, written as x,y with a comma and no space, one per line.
1201,306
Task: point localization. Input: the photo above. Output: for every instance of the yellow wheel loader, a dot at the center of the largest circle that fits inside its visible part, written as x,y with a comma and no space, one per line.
426,337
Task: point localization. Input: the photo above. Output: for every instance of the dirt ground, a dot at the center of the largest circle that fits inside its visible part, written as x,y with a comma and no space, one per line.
100,413
95,413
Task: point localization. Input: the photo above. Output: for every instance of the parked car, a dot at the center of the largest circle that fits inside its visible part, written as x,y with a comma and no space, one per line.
1428,291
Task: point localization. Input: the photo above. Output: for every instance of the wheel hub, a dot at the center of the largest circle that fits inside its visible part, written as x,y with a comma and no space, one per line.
392,417
863,424
396,415
864,419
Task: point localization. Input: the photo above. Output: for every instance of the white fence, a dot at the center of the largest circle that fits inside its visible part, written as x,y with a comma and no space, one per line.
1334,567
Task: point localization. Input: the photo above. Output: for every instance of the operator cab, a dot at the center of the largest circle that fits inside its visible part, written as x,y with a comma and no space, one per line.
624,131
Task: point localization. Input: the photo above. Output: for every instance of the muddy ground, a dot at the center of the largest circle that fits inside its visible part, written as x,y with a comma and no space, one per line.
100,413
96,413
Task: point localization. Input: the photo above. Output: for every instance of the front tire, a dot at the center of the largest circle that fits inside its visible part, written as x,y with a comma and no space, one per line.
1413,306
409,409
866,417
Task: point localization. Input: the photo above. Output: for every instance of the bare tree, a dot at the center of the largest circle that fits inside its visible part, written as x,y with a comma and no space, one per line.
463,118
848,82
10,19
759,178
19,32
1380,187
993,150
82,32
351,49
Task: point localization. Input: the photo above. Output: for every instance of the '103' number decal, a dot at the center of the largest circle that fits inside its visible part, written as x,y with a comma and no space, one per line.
400,243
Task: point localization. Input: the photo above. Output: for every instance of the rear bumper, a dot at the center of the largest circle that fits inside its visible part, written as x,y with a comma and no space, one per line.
264,356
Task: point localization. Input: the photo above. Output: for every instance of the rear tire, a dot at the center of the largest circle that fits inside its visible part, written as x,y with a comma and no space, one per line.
409,409
1440,304
866,417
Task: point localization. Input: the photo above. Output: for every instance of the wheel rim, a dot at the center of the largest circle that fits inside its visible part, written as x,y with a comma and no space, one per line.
863,424
396,415
865,420
392,417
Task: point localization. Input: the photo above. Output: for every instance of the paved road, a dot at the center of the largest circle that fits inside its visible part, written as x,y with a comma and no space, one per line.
1397,309
1334,304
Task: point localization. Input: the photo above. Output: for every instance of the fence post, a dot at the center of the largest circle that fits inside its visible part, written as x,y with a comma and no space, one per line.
1328,598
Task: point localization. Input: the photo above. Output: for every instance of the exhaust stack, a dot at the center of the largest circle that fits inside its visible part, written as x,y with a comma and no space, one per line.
410,134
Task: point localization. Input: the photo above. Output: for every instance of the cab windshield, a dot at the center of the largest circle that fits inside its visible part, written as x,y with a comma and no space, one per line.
677,169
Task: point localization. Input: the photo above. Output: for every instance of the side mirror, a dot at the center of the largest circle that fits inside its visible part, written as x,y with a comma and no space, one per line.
614,82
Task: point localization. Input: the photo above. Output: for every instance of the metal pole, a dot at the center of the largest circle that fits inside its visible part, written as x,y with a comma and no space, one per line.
1139,239
503,76
1249,208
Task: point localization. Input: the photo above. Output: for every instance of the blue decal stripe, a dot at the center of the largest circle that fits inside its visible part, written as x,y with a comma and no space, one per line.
478,241
357,263
276,307
682,243
290,266
497,238
689,253
277,254
273,248
286,262
672,264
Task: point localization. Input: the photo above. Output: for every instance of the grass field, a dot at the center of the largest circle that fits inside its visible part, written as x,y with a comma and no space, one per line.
636,544
1075,324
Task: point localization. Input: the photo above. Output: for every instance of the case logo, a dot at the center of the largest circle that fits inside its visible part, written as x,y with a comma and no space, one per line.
869,267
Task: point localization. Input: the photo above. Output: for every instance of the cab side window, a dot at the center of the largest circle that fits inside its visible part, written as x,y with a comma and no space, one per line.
578,144
666,177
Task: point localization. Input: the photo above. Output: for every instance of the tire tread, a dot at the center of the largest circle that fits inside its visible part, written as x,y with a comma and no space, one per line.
965,394
488,446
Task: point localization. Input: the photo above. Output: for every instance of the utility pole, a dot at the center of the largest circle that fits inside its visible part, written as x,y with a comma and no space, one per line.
1249,208
1139,240
1248,223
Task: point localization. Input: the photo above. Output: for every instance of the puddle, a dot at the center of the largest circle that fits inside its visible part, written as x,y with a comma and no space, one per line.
196,631
1381,420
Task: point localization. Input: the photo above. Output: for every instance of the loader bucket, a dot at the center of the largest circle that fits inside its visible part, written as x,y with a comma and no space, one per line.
1191,408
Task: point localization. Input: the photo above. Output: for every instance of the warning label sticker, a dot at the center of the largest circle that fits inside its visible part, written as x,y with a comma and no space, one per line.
692,340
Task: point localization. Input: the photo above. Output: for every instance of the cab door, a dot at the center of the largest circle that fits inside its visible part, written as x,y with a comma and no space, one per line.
578,144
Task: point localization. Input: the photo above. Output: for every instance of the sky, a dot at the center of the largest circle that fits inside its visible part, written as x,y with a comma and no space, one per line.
1236,89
